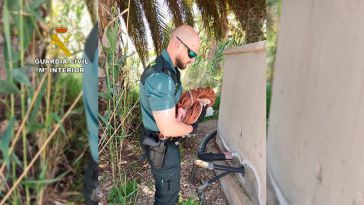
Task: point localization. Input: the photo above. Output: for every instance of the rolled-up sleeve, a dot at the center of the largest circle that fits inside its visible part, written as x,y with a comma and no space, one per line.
160,90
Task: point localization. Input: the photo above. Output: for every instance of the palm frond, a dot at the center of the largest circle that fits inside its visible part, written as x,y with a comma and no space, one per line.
156,21
251,15
222,6
166,33
240,9
175,9
261,16
210,15
136,28
91,7
187,8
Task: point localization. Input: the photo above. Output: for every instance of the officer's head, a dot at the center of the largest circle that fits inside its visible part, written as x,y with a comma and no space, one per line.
183,45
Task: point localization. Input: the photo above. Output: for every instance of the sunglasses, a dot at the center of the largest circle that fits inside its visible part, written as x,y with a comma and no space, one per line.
191,54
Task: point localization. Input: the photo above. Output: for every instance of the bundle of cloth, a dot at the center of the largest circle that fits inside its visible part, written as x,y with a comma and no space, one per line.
193,103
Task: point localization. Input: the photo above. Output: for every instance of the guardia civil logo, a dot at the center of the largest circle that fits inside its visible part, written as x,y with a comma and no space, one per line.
60,43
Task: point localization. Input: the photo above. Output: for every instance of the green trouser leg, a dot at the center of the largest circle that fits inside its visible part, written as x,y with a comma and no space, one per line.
90,186
167,178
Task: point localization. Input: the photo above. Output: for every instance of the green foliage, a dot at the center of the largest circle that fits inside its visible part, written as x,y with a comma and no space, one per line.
216,17
272,38
70,13
21,77
119,114
273,8
68,83
33,124
5,140
206,70
20,27
23,25
216,105
124,194
189,201
268,98
7,87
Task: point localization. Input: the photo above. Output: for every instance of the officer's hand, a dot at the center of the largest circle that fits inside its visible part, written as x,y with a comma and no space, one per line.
194,127
202,115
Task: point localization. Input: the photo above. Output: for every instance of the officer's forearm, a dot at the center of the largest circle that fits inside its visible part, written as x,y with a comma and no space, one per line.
168,125
177,129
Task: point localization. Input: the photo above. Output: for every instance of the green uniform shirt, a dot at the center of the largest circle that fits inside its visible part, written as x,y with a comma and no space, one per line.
159,91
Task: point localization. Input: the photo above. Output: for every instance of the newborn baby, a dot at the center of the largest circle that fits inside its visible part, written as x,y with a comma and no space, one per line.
191,104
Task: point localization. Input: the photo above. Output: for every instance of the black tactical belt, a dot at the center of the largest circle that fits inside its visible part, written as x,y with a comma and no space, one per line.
157,135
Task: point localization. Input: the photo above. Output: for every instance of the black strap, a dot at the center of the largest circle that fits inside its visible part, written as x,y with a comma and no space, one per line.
155,135
149,133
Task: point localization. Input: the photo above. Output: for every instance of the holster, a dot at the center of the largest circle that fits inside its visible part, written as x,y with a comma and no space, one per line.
156,149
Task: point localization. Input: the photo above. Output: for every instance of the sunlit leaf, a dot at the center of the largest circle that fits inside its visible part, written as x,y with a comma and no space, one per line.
7,87
20,76
5,140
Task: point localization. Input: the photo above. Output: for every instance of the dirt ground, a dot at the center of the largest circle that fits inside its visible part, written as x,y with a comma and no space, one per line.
134,169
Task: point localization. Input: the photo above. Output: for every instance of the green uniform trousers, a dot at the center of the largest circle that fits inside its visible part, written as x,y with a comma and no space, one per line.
167,178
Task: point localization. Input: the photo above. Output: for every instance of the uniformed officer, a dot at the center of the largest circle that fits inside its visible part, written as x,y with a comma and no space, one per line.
160,91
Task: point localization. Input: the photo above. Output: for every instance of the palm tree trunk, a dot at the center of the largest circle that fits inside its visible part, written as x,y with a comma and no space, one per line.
91,7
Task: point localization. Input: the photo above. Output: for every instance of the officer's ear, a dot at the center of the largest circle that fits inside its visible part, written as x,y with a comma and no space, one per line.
177,43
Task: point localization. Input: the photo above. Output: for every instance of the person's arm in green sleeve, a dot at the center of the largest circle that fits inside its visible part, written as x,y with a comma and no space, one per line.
160,90
168,124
